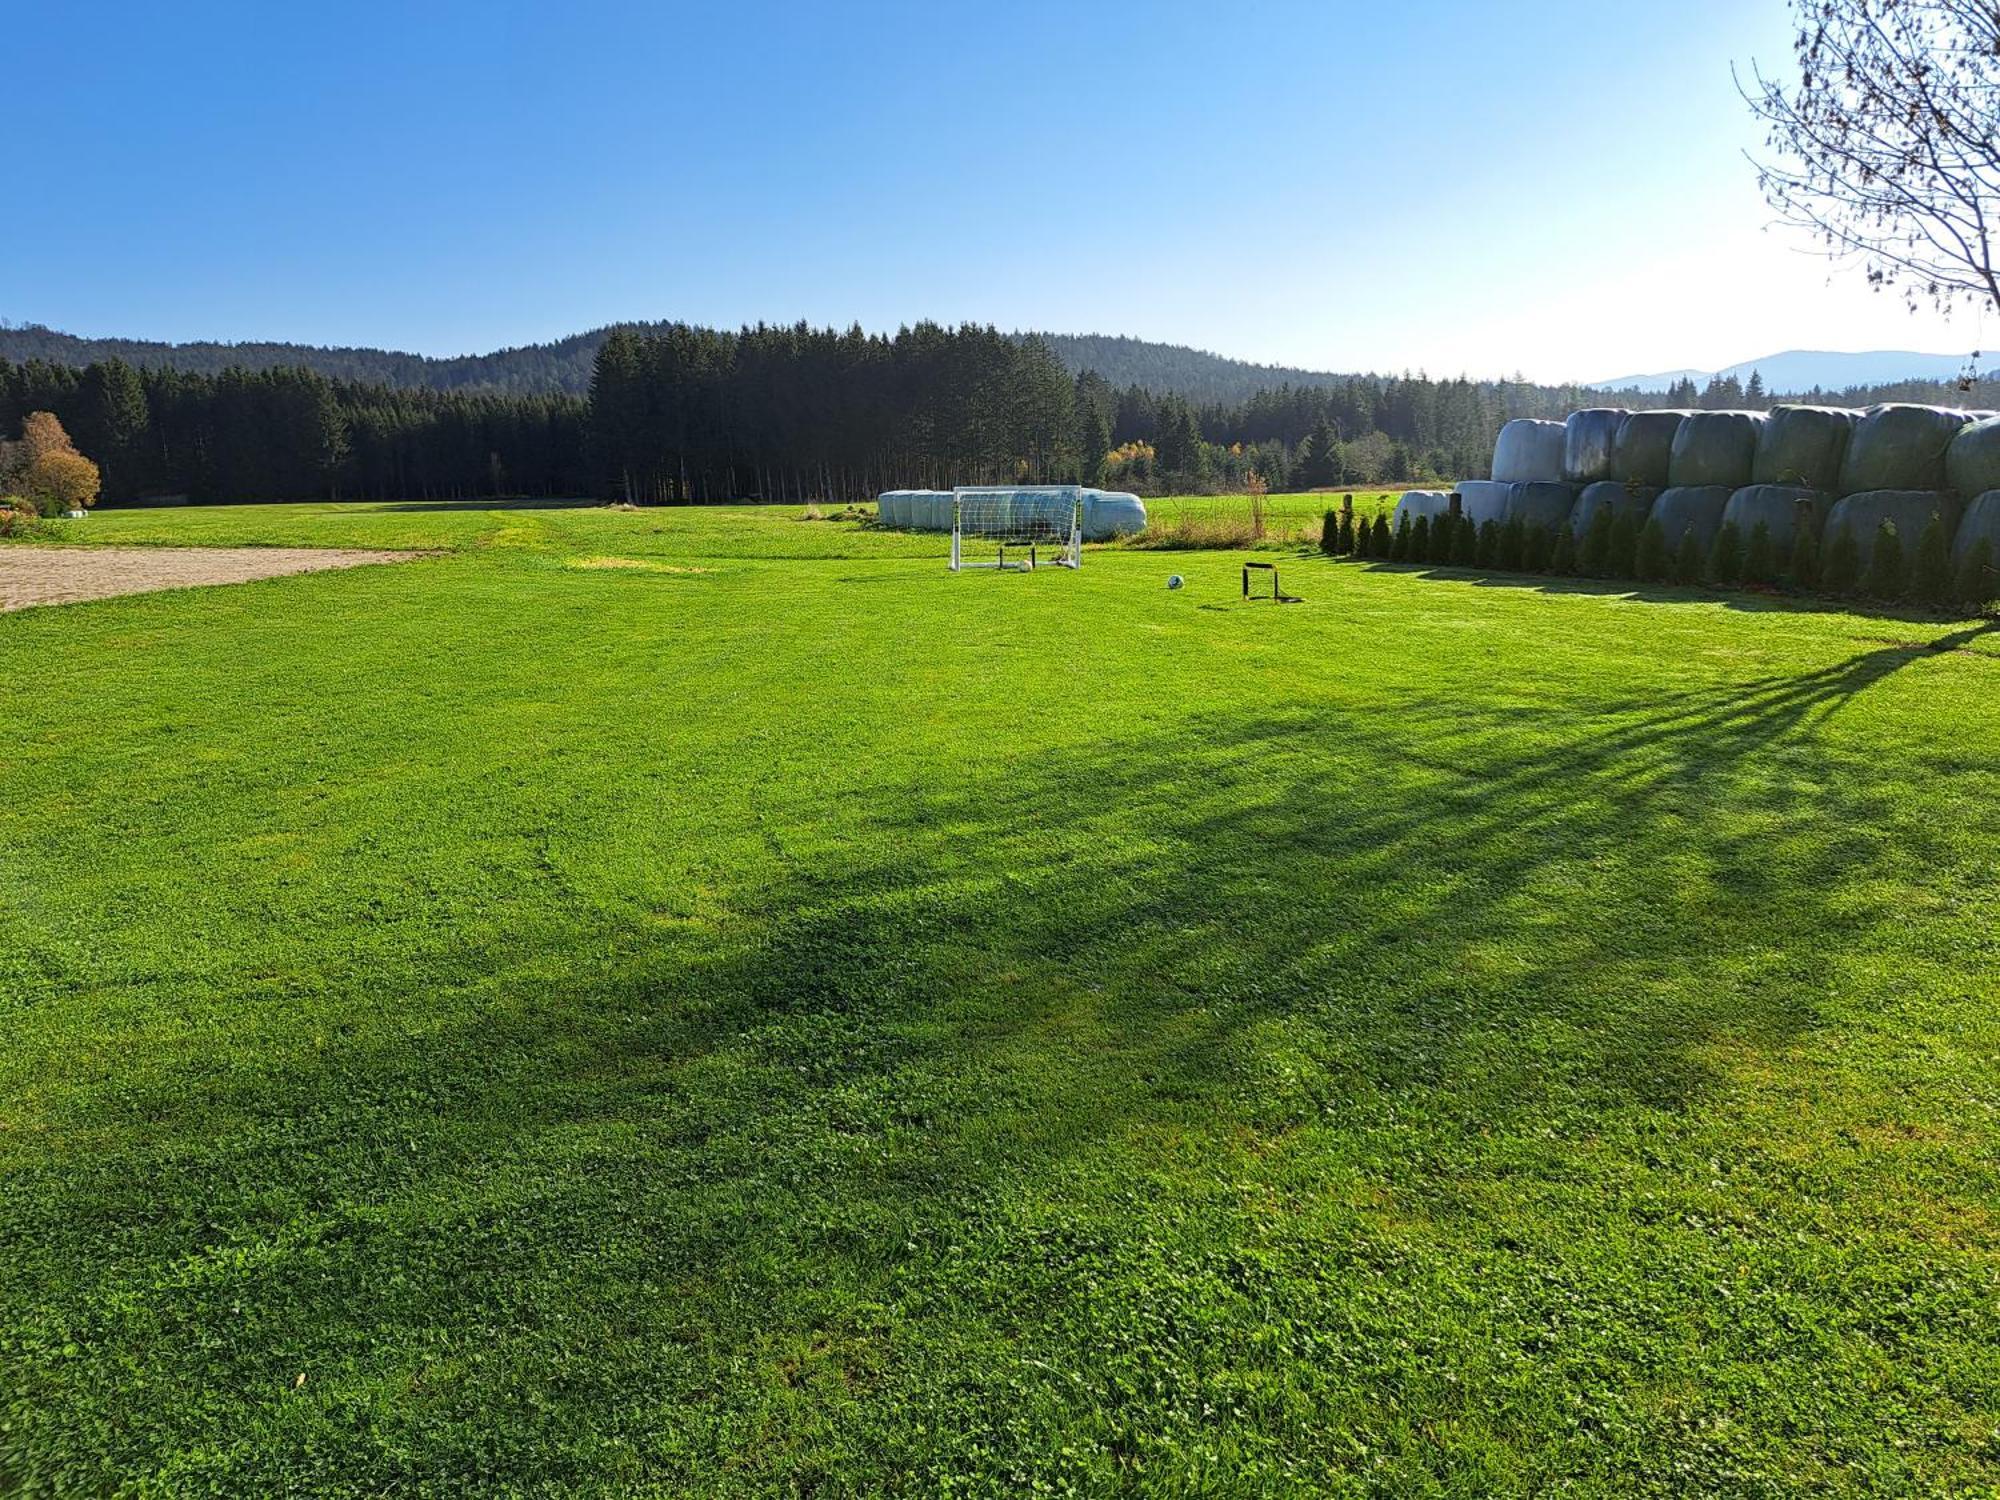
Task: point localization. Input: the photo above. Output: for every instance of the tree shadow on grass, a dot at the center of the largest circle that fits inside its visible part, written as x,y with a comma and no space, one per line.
1749,601
635,1159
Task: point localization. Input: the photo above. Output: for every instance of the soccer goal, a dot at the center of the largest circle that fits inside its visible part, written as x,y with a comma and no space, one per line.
1042,524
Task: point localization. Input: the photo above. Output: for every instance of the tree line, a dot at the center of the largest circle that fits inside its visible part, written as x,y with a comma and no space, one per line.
291,434
690,414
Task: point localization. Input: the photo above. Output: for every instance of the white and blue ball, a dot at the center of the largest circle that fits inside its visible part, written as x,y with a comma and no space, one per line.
1174,580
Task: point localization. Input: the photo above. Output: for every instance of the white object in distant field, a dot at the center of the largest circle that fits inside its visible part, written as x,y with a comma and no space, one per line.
1174,580
75,515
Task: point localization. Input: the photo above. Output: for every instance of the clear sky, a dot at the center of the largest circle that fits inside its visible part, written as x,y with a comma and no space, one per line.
1555,188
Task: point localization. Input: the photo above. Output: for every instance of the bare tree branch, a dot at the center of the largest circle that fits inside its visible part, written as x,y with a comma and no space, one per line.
1886,147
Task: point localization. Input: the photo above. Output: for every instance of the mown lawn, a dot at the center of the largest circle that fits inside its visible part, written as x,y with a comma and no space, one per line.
773,1017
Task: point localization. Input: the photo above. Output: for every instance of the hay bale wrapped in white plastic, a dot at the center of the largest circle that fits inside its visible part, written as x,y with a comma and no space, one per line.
1643,451
1972,462
1609,495
1483,500
1909,511
930,510
1981,524
1693,508
1714,448
1543,506
1589,437
1109,513
887,504
1415,503
1899,447
1778,508
1528,450
1803,446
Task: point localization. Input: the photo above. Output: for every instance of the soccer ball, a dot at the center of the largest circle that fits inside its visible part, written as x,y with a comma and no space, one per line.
1174,580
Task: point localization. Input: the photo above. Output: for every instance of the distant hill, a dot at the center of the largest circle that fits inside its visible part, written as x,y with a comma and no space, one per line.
565,364
1795,370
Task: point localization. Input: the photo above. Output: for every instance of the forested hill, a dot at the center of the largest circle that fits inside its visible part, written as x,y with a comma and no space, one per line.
1175,369
564,366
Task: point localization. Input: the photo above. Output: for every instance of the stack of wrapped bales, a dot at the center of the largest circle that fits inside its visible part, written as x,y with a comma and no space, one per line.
1714,454
1634,473
1795,472
1527,452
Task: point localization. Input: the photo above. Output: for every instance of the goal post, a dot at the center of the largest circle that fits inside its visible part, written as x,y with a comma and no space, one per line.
1043,524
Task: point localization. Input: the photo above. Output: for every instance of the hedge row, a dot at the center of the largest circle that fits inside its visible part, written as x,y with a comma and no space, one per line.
1620,548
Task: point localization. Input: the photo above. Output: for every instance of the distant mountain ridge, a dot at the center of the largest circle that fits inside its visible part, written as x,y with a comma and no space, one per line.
1797,370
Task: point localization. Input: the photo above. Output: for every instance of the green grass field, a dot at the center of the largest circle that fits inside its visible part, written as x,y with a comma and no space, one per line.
772,1017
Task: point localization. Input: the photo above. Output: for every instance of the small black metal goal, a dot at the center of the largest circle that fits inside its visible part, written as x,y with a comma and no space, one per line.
1277,595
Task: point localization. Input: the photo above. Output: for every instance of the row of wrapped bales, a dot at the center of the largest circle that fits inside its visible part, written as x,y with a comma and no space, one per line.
1899,448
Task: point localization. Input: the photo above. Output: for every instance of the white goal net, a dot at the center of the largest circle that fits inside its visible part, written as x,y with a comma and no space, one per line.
1014,526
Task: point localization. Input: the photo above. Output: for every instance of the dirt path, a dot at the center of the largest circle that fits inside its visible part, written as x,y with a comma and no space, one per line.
66,575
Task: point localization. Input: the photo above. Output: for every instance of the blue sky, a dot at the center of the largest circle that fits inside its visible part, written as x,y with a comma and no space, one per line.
1554,188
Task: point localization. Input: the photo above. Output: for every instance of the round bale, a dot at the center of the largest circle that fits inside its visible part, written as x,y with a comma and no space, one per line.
1415,503
1545,505
1899,447
1693,508
1909,511
1714,448
1483,500
1590,437
1981,524
1972,462
1777,506
1528,450
1803,446
1109,513
1635,500
1643,450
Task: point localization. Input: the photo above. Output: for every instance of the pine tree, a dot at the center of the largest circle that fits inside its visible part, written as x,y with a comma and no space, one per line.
1885,564
1420,540
1538,543
1930,570
1841,572
1760,557
1562,557
1594,558
1329,533
1976,585
1687,558
1803,570
1347,543
1651,562
1399,545
1487,547
1379,537
1319,463
1625,534
1754,397
1725,557
1464,543
1508,556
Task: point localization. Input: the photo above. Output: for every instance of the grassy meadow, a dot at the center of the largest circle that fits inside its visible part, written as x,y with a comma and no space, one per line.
704,1002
